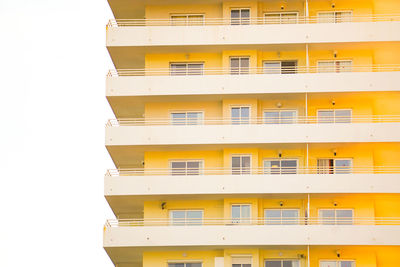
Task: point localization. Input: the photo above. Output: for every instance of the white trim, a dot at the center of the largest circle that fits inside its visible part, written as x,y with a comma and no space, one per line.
335,218
185,220
201,165
295,222
337,261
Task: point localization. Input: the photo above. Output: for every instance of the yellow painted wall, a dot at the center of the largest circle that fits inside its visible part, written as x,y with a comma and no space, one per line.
161,259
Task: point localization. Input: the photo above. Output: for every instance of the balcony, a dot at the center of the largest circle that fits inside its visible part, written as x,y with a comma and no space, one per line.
250,131
132,237
137,37
139,185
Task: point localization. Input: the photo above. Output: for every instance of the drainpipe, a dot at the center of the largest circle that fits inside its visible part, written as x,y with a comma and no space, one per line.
308,255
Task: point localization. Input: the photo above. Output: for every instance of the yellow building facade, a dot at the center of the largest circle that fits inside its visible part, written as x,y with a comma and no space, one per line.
254,133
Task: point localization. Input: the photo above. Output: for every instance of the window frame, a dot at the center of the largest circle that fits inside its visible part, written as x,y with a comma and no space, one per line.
185,223
241,170
280,16
282,260
295,120
239,71
338,261
334,114
320,218
280,162
334,166
187,63
240,20
187,21
201,169
334,12
281,222
185,122
335,70
281,71
239,120
241,220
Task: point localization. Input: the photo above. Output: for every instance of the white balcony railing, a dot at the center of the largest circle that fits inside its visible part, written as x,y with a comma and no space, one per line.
254,70
255,120
254,171
258,221
248,21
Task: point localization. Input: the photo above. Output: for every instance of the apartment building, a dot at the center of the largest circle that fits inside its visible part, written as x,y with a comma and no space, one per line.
254,133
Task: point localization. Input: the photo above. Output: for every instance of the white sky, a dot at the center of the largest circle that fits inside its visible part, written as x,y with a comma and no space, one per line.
53,110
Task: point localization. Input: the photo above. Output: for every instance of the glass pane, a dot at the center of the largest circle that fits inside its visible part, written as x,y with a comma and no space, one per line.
178,118
343,17
344,216
288,18
244,65
272,18
178,20
271,117
273,216
326,17
194,217
195,20
289,166
325,116
288,116
272,167
236,265
342,166
288,67
273,263
246,165
235,115
246,265
342,116
327,217
245,114
235,65
193,167
194,118
347,264
326,66
245,214
272,67
178,217
236,165
178,168
291,264
328,264
290,216
195,69
343,66
245,16
235,213
178,69
235,17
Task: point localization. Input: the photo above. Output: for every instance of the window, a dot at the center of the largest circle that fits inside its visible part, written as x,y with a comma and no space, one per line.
334,116
280,18
334,263
335,66
281,216
280,67
336,216
280,116
186,167
187,118
334,16
240,115
334,166
282,263
187,19
241,213
180,69
280,166
186,217
241,164
240,16
192,264
239,65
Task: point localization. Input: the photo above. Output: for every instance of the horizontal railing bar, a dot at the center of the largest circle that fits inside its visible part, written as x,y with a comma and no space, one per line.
250,21
256,221
253,120
253,70
253,171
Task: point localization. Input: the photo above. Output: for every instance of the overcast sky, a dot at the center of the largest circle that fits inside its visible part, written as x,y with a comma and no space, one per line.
53,110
